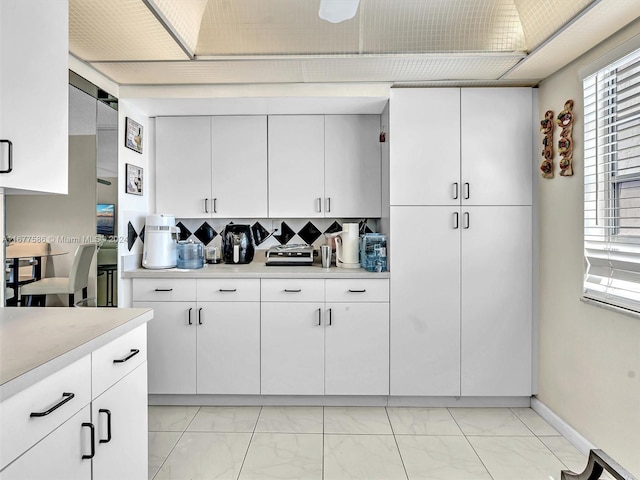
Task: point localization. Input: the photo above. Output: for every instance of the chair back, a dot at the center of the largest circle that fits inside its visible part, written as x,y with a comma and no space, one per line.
79,273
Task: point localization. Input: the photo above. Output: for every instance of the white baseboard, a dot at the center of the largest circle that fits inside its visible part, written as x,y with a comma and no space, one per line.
573,436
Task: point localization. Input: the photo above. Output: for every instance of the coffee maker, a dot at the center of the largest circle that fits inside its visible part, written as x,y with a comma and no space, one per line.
160,241
237,244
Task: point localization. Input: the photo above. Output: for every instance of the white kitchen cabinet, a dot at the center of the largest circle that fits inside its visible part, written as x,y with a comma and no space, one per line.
183,166
171,346
497,301
425,146
212,166
461,300
313,347
34,83
425,300
292,348
357,349
59,455
324,166
120,418
296,166
469,146
208,346
352,185
239,166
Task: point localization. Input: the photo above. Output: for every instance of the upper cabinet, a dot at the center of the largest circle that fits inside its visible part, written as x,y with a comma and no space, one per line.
466,146
212,166
34,79
324,166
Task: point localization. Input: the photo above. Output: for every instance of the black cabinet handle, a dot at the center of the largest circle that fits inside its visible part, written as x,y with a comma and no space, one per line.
108,412
190,316
66,398
293,291
455,191
93,441
467,191
228,290
134,352
357,291
330,315
319,316
164,289
8,142
206,205
466,220
200,316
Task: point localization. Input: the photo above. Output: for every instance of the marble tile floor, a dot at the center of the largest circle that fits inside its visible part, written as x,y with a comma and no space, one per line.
342,443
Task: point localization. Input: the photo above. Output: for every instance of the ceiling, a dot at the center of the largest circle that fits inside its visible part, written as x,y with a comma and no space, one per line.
398,42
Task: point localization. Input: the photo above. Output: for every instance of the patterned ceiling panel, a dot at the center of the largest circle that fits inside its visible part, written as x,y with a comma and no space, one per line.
118,30
185,17
357,69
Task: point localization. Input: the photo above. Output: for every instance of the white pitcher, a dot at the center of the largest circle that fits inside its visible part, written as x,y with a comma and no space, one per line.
348,246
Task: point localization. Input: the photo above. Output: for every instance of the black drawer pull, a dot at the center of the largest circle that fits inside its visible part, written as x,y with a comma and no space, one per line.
67,397
298,290
200,316
190,316
228,290
164,289
358,291
134,352
108,412
93,441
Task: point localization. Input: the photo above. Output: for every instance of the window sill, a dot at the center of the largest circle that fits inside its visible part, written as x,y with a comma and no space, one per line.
613,308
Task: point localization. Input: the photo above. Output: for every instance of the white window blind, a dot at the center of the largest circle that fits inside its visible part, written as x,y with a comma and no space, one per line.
612,183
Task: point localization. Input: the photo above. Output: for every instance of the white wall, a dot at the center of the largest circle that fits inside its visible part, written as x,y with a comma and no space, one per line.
589,357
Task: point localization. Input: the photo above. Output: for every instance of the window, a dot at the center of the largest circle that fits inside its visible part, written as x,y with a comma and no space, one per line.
612,183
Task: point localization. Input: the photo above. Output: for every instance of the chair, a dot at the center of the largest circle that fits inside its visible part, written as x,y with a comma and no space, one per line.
78,279
27,267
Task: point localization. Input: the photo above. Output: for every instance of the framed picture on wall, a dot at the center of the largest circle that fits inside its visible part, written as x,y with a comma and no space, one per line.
134,180
133,135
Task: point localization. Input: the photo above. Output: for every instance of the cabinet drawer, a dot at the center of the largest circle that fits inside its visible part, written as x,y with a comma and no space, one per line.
19,430
357,290
292,290
164,289
232,290
116,359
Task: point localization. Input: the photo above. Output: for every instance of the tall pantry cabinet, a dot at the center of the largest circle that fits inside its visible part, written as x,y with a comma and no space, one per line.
461,250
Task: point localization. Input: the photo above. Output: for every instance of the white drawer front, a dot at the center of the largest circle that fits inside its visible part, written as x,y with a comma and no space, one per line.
164,289
292,290
19,430
357,290
232,290
116,359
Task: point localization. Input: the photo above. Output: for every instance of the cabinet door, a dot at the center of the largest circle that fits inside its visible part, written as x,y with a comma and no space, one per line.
496,302
59,455
120,417
424,143
34,83
229,347
357,349
292,349
497,146
296,166
425,301
239,166
183,166
171,346
352,181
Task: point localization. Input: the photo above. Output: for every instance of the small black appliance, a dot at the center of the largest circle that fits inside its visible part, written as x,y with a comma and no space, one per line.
237,244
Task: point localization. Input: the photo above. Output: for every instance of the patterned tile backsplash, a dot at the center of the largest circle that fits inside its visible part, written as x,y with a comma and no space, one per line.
289,231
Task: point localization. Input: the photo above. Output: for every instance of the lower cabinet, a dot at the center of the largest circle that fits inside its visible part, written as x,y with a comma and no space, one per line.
208,346
313,347
95,429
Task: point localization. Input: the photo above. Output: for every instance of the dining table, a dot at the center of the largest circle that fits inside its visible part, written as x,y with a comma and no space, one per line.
13,263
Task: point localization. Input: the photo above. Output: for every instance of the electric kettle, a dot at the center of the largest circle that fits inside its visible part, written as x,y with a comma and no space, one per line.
348,246
237,244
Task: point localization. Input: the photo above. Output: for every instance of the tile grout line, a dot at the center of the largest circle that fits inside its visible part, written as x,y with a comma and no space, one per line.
395,439
244,459
470,444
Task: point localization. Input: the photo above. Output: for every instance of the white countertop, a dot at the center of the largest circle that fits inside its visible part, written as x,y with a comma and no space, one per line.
36,342
254,270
